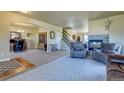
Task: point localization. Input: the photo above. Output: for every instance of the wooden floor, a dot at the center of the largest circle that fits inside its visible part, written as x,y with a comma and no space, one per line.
13,67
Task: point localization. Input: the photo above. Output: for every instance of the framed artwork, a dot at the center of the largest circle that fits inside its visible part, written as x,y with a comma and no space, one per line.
78,38
74,37
52,34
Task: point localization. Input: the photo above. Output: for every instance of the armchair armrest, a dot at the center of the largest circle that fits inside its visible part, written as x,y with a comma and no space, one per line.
112,52
119,58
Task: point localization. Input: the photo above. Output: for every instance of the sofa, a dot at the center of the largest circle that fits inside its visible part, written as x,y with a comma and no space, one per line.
115,67
77,50
101,55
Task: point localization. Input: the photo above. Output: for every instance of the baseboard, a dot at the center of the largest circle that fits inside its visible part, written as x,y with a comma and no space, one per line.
5,59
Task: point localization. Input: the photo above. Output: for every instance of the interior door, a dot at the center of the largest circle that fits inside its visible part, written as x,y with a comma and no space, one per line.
42,40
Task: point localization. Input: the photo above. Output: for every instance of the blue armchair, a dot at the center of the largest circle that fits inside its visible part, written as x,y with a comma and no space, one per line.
77,50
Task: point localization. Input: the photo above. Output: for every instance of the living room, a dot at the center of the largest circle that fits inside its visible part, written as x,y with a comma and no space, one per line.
61,46
93,31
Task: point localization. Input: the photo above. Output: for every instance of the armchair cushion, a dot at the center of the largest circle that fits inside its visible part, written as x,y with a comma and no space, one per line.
79,54
78,46
77,50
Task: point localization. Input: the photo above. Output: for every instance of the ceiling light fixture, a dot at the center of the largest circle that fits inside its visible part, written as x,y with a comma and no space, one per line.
21,31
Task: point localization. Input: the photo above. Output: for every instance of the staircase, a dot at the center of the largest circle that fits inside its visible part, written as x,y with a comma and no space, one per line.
67,38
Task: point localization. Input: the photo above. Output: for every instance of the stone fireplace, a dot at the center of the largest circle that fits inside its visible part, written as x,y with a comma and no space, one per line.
95,41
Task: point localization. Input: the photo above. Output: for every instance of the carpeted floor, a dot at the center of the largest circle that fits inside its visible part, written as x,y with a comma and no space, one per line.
39,57
66,69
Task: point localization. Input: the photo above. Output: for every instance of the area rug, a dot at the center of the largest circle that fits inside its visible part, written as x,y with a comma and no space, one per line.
14,66
66,69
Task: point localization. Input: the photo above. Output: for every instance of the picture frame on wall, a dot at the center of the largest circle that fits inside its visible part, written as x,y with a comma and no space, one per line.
52,34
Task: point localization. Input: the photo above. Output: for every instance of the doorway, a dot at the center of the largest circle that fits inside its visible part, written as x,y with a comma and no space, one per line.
43,41
17,44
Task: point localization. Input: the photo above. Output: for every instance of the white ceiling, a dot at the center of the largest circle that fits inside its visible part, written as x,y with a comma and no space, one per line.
69,18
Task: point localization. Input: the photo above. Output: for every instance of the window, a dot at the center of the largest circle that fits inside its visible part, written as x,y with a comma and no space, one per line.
85,38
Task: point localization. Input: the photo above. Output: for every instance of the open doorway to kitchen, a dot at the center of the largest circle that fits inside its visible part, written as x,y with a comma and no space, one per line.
17,43
23,36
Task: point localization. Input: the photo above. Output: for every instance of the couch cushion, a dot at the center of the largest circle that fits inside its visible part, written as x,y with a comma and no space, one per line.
108,51
110,46
107,47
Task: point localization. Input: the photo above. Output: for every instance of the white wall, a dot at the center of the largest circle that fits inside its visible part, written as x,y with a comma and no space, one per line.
56,40
97,27
4,38
116,32
64,46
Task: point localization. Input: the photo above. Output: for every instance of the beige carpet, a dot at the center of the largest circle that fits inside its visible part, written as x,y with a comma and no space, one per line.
66,69
39,57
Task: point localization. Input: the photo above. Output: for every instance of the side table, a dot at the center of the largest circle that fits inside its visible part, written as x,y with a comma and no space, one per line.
90,54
